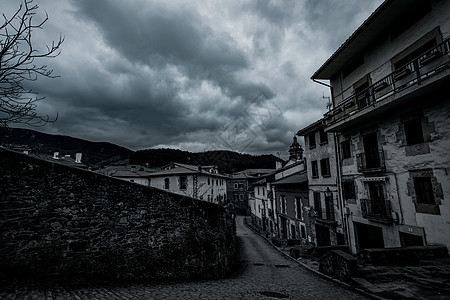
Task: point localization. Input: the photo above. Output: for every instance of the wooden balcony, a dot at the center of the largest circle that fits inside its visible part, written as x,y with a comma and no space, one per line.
421,70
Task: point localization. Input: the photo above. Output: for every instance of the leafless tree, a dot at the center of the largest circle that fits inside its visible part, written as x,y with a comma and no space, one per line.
19,63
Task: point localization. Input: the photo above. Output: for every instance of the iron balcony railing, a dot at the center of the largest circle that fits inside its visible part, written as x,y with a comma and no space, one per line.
424,66
377,210
324,214
371,162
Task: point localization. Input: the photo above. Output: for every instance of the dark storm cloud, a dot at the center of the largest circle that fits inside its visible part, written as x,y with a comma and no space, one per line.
193,75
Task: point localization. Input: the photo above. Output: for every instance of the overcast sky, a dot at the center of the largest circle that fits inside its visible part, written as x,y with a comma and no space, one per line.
192,75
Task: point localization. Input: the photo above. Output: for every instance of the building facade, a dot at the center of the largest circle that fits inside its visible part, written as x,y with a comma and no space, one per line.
389,85
240,188
199,182
290,190
326,226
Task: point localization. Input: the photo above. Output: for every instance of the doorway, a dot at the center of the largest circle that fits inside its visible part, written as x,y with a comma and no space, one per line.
368,236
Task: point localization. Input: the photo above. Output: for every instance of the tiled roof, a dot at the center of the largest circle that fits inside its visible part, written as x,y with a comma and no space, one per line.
293,179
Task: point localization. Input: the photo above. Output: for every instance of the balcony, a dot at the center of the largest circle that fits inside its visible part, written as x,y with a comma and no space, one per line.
324,216
424,69
379,211
371,162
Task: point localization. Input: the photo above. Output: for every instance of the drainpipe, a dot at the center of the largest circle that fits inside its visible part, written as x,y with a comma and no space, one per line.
316,81
339,181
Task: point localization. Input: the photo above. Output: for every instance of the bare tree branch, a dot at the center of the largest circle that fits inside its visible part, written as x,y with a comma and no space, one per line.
17,66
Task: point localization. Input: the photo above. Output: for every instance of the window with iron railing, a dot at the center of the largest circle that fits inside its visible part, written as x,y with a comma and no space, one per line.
376,210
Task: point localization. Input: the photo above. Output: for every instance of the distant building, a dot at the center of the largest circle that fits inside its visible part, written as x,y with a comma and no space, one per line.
290,190
326,226
262,205
240,186
389,85
199,182
133,173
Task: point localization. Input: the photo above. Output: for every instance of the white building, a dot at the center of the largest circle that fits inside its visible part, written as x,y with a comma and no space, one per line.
199,182
389,84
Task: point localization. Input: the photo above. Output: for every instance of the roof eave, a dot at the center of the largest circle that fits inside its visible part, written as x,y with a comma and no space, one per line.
323,73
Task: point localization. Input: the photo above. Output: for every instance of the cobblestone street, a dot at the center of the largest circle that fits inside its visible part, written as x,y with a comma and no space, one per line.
265,274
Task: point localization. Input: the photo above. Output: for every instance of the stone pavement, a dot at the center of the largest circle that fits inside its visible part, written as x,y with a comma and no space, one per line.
265,274
427,280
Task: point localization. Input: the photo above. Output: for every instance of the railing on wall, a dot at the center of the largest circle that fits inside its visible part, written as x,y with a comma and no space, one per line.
424,66
371,162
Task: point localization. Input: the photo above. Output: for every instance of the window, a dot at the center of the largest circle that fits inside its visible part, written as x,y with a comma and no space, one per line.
346,150
263,192
283,204
376,191
183,182
325,167
317,203
303,231
258,190
349,190
413,131
241,197
362,94
314,169
166,183
424,190
235,197
241,185
235,186
209,181
312,140
323,136
298,205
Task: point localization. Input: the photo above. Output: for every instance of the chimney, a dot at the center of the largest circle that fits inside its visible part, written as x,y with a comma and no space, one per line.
78,158
278,165
56,155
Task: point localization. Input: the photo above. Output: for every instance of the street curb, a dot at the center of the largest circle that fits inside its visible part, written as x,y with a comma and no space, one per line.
346,285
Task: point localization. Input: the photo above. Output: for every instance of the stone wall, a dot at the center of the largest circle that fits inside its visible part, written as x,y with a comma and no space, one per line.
58,221
338,264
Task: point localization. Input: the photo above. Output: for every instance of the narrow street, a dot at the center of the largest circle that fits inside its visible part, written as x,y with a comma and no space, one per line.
265,274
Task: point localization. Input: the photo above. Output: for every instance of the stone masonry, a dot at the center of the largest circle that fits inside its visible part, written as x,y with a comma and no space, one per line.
59,221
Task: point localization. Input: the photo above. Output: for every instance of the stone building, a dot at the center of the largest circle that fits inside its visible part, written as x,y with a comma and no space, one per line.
325,206
389,86
262,206
290,190
199,182
240,188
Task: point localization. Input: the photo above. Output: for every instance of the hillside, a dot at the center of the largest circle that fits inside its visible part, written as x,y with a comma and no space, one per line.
94,153
227,161
103,154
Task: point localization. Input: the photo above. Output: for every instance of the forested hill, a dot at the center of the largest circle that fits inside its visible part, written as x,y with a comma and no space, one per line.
227,161
94,153
97,154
